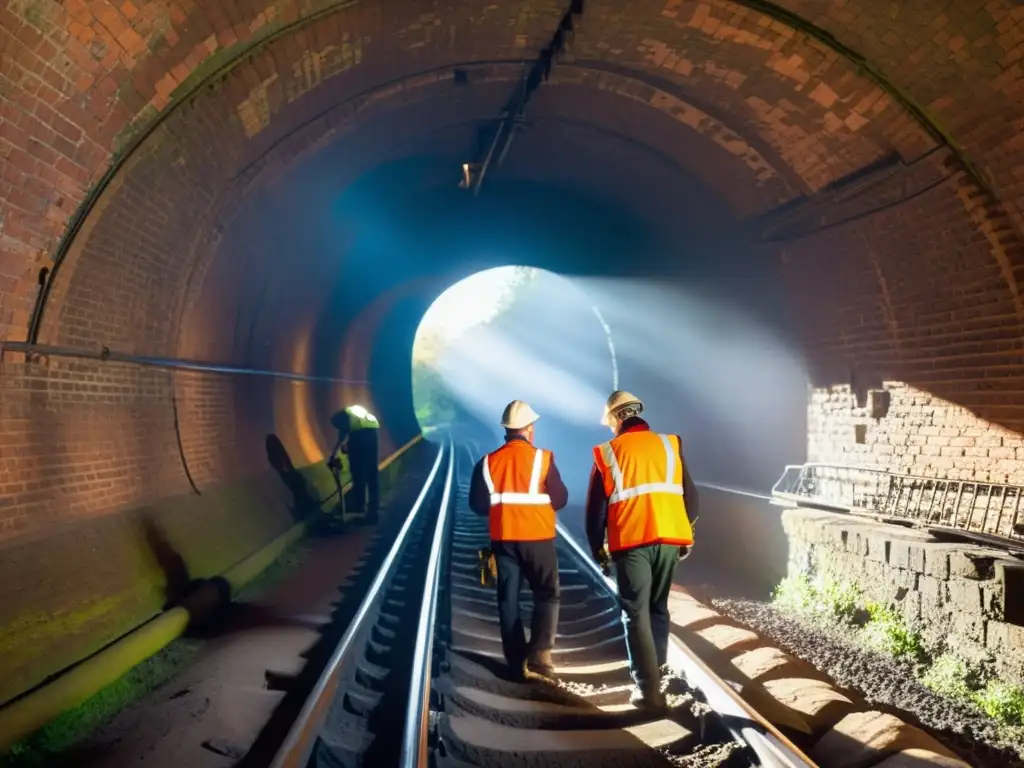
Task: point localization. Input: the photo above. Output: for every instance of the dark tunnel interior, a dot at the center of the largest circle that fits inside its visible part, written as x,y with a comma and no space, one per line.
781,222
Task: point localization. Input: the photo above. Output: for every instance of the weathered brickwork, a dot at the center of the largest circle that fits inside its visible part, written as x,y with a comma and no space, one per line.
958,597
915,283
92,479
921,434
775,86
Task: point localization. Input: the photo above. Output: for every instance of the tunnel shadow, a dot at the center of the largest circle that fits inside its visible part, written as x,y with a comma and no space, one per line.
304,499
212,612
178,583
297,689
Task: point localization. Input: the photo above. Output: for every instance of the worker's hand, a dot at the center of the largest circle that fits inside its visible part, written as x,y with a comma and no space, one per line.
604,560
684,552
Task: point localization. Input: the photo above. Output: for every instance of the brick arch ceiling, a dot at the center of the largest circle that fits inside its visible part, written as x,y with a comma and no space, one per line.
765,103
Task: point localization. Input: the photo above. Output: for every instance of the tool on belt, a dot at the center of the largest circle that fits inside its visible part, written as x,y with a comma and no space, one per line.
488,567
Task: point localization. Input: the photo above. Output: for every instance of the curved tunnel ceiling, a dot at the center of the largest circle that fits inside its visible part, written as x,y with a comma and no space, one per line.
229,134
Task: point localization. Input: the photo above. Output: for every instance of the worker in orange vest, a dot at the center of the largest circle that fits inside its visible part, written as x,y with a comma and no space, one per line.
519,489
640,493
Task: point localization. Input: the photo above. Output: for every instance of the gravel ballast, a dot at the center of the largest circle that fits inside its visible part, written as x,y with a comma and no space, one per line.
888,684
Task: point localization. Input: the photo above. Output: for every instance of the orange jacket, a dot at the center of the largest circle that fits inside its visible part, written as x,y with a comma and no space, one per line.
520,507
642,474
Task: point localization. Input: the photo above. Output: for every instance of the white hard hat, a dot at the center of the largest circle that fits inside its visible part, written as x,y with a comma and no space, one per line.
518,415
620,398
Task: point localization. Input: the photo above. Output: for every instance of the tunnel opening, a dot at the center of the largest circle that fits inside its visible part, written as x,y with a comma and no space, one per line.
513,333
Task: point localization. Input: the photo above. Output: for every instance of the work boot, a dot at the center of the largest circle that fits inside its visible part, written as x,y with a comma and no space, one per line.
540,665
652,701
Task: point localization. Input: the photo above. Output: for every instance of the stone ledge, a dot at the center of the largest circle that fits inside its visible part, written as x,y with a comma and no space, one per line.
966,596
843,730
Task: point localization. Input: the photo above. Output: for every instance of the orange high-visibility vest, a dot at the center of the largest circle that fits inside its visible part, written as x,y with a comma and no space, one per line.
643,481
519,511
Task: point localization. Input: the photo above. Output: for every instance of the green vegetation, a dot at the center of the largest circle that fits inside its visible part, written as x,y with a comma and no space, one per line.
825,601
434,402
435,405
949,675
823,598
1002,701
885,631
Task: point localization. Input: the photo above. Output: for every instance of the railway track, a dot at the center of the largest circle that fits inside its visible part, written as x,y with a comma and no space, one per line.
419,679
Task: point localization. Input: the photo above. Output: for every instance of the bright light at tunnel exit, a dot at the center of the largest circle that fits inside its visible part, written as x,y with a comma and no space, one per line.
469,303
512,333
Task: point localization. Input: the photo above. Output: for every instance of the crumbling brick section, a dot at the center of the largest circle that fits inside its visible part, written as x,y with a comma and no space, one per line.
939,331
961,598
921,434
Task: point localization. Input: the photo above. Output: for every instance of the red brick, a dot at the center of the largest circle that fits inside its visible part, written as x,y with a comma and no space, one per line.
916,293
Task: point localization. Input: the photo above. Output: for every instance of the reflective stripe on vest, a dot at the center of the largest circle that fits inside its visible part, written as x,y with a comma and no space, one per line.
532,497
621,494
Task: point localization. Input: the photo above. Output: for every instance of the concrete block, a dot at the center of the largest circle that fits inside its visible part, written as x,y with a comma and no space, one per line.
993,600
878,547
936,562
933,593
729,638
875,573
836,535
856,541
819,703
1006,642
969,626
908,555
864,738
1010,574
910,608
965,595
971,564
903,578
766,663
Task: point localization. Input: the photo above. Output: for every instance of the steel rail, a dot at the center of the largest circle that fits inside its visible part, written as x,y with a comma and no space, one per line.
105,355
416,730
297,747
749,728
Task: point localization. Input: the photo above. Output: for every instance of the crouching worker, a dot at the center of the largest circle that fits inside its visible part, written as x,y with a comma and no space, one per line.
519,489
640,492
357,437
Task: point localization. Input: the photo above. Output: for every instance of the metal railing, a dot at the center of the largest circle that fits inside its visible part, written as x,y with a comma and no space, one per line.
972,507
298,745
414,736
106,355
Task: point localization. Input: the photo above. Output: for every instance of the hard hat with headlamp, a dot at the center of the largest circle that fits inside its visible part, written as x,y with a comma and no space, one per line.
621,402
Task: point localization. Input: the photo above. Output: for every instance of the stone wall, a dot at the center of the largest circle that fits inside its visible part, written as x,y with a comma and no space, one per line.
968,598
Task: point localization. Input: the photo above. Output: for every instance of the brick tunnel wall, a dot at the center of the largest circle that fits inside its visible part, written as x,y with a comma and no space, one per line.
878,292
941,332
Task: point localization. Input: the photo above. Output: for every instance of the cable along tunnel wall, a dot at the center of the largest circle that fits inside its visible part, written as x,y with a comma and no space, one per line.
103,526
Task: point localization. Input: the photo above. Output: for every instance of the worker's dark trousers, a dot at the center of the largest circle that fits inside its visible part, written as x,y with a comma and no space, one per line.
644,575
362,456
537,563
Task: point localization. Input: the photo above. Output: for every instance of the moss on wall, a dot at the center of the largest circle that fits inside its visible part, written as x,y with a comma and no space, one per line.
78,589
